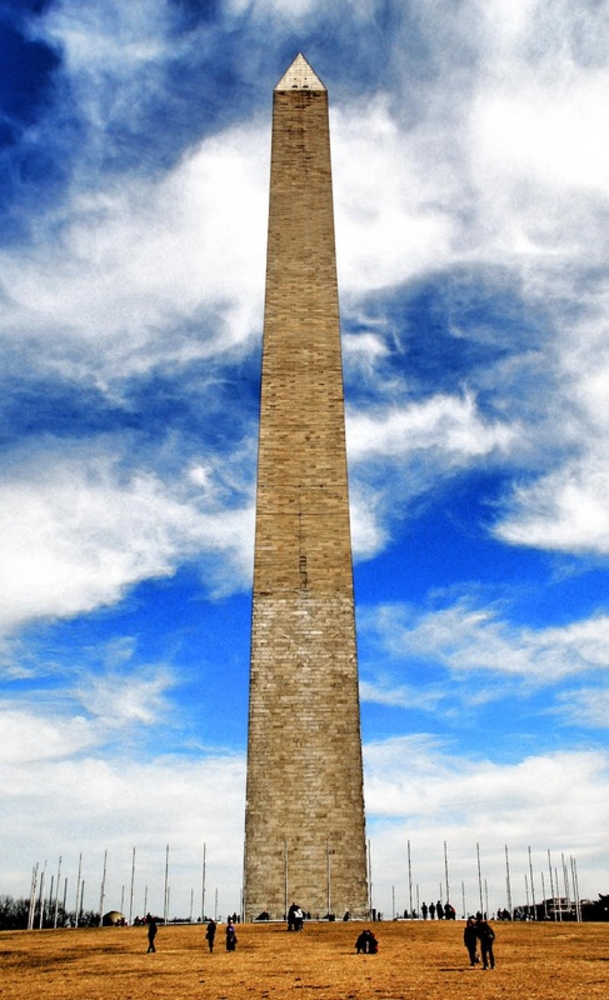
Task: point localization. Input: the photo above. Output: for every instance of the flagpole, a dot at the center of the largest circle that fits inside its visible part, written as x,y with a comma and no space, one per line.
479,878
508,883
409,881
532,886
77,900
56,916
203,884
131,888
102,894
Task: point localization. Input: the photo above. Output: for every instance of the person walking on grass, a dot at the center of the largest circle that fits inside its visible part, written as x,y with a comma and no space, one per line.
152,932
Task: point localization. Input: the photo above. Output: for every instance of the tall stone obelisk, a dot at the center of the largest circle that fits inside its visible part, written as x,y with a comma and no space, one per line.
304,833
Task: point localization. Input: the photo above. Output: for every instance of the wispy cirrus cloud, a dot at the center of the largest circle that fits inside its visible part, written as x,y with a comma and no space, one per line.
116,700
465,638
565,509
585,706
450,429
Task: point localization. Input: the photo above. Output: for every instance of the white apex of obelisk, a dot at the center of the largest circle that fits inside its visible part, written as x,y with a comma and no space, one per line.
300,76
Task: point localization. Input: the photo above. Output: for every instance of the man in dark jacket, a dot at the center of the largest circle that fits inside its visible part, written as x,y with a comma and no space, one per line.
470,940
486,936
210,934
152,932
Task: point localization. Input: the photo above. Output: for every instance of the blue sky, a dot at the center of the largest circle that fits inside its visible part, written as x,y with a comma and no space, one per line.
471,174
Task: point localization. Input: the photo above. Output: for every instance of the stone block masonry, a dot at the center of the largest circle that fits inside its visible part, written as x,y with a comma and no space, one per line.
305,834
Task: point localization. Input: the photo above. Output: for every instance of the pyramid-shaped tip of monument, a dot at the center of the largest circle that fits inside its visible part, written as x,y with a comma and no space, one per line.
300,76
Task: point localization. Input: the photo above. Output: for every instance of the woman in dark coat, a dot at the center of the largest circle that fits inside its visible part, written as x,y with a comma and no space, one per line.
470,940
210,934
231,936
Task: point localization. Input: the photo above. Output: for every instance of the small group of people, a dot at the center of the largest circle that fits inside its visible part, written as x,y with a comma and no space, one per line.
230,933
366,943
479,930
443,911
210,934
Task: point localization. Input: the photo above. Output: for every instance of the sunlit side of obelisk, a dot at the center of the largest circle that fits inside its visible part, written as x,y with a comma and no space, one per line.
305,835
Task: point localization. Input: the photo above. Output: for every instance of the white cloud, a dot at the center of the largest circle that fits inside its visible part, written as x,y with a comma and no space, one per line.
148,272
277,9
368,532
566,509
102,38
363,350
116,700
494,788
110,705
31,738
382,691
447,424
465,638
418,446
78,531
587,707
548,136
501,161
393,216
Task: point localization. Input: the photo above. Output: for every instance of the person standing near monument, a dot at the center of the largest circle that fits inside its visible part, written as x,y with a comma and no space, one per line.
210,934
470,940
152,933
231,936
486,936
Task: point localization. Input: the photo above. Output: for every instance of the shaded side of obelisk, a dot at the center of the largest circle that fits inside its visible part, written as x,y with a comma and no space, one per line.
305,835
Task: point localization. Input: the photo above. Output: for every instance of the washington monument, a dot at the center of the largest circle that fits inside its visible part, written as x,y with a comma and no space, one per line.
304,830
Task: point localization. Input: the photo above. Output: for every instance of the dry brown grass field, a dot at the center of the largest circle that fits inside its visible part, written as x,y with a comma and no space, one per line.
422,960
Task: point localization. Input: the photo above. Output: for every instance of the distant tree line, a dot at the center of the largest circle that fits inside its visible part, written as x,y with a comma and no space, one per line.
590,910
597,909
14,914
593,910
